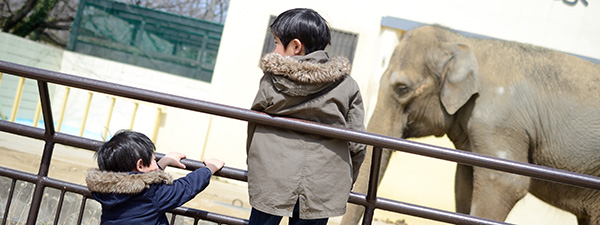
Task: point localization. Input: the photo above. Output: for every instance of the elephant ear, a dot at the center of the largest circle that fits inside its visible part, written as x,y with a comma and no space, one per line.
459,77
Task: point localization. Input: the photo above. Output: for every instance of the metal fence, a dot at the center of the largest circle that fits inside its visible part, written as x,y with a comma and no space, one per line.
81,129
369,200
145,37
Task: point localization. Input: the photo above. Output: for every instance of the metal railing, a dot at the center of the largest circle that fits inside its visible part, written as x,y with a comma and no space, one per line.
369,200
82,125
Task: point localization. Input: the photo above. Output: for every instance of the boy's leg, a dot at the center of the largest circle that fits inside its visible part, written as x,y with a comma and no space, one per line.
261,218
295,219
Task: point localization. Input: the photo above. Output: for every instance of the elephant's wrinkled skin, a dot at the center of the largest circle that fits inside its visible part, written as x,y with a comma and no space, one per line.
503,99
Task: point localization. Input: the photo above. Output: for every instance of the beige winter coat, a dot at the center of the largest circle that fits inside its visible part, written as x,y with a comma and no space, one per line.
283,165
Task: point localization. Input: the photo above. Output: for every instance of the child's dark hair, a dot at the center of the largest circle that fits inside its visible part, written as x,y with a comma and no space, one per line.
123,150
306,25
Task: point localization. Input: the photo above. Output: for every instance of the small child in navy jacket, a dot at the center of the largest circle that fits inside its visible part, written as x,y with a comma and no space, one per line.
133,188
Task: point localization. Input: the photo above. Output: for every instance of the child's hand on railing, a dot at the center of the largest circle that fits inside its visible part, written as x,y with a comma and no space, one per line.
214,165
172,159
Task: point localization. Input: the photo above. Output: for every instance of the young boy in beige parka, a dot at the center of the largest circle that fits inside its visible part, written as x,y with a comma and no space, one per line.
303,176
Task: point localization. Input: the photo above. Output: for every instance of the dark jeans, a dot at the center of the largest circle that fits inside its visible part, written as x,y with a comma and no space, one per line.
261,218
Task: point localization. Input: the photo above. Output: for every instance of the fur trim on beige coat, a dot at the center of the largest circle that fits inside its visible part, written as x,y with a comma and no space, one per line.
309,72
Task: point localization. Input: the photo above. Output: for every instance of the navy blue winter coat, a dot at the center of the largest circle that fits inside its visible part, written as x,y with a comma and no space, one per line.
143,198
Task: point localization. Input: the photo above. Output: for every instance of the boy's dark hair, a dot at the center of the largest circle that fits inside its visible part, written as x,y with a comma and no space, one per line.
306,25
123,150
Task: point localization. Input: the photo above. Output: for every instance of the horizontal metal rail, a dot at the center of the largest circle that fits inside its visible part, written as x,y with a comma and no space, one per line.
378,141
422,211
463,157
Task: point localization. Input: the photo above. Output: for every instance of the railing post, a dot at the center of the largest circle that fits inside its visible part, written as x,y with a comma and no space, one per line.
372,190
36,115
156,124
9,200
210,118
135,108
63,108
86,113
17,100
81,210
46,156
59,207
110,112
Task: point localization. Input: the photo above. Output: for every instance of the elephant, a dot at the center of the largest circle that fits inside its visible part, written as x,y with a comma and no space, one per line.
498,98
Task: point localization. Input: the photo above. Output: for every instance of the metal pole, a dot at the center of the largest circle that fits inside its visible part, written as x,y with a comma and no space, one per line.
61,200
46,156
9,200
81,210
372,191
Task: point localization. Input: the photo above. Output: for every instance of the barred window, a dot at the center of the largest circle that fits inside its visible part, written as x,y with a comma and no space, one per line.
342,43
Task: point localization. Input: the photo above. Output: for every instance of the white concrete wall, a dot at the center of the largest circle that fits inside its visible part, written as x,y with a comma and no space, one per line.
26,52
551,24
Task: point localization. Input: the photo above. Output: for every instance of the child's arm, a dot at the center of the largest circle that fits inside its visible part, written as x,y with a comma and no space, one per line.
168,197
172,159
214,165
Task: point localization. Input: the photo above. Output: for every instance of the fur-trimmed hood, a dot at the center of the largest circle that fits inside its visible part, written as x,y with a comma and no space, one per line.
304,75
124,183
143,198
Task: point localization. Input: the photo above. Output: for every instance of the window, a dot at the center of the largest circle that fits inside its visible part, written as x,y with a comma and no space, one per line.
342,43
148,38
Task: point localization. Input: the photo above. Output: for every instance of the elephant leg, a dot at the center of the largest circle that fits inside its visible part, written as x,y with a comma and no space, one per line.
495,192
594,218
354,212
591,219
463,188
583,221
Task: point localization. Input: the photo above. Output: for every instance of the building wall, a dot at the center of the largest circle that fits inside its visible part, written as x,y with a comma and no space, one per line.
18,50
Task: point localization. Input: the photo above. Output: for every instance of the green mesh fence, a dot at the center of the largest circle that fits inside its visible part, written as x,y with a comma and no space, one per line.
145,37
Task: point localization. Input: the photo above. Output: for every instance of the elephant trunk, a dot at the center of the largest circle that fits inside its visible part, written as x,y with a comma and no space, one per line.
355,212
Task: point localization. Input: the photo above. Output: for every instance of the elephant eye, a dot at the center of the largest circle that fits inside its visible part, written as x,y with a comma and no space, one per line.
401,89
